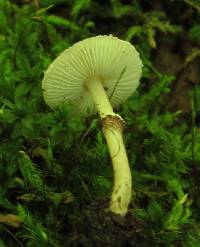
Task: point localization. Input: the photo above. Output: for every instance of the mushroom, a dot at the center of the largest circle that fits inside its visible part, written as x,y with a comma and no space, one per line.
95,75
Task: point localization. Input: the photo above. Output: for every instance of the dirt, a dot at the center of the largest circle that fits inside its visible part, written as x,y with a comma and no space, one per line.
97,227
170,58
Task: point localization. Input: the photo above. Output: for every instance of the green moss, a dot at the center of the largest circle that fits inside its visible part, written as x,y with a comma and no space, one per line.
52,165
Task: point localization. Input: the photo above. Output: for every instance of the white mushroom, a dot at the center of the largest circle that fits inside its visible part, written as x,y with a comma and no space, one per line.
94,75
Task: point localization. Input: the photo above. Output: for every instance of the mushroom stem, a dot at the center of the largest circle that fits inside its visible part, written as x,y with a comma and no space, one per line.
112,130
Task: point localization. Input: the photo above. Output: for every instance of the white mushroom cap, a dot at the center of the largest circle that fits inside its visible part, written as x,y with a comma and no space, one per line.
115,62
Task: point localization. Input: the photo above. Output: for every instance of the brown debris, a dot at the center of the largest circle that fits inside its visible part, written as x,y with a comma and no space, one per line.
170,58
98,227
10,220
